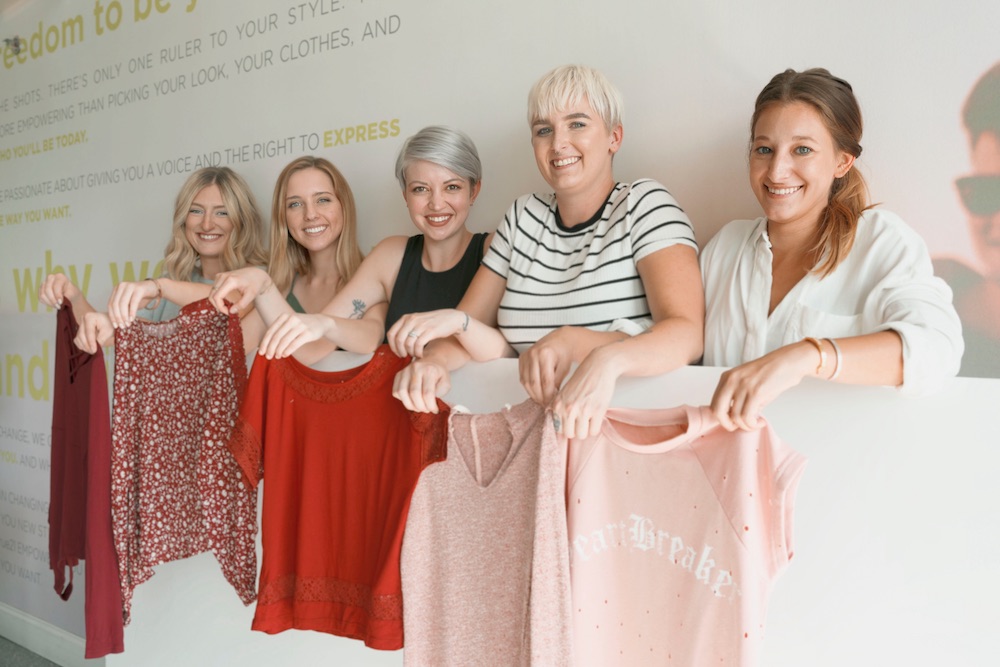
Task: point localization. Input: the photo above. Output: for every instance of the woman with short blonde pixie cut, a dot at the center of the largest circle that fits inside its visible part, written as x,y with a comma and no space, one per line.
572,275
289,257
565,85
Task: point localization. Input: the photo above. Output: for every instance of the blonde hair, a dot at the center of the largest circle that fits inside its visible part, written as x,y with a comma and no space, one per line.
568,84
245,244
288,257
834,100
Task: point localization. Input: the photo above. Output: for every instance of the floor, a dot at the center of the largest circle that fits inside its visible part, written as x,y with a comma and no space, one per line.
13,655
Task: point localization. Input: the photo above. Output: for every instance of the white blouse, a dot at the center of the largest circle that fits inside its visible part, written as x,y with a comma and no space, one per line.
885,283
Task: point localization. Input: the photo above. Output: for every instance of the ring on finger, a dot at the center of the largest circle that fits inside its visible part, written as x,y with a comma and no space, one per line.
413,334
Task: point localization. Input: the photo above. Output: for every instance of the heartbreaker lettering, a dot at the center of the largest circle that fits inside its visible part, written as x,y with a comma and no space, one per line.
639,534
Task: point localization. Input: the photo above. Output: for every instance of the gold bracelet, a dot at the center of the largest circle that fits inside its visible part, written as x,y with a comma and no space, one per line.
159,294
836,359
822,352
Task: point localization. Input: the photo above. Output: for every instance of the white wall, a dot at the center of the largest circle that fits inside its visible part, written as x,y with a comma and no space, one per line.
688,71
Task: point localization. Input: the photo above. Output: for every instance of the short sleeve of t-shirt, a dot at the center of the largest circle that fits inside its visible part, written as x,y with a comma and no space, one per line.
497,257
657,219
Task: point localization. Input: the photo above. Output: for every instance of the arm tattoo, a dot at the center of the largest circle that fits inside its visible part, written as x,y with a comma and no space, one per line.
359,309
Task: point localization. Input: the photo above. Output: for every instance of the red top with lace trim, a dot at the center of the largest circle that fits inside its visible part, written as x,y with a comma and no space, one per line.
341,457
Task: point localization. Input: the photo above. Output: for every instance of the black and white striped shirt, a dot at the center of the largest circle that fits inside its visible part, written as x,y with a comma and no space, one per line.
585,276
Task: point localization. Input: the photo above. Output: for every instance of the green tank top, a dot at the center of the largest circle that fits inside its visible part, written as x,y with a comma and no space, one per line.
291,300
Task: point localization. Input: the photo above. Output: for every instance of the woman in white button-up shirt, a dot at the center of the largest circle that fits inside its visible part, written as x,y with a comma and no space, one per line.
823,285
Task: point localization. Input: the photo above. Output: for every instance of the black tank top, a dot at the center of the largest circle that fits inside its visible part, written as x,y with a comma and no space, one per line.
418,290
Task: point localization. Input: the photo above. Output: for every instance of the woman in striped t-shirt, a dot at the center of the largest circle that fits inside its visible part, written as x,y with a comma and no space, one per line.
571,276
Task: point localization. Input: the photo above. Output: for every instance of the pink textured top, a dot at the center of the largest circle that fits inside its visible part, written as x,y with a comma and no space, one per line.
484,564
677,530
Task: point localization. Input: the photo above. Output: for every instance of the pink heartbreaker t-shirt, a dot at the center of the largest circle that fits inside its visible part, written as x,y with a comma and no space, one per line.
677,530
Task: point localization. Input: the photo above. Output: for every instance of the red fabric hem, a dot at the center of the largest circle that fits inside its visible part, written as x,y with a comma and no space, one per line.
390,639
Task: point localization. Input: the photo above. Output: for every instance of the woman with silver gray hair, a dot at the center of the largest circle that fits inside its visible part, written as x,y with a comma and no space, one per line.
440,174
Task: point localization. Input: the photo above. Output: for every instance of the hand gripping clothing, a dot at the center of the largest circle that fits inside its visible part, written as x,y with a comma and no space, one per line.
176,488
340,456
80,488
677,530
485,566
168,310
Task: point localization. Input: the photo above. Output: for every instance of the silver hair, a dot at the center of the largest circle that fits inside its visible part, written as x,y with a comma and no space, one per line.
443,146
